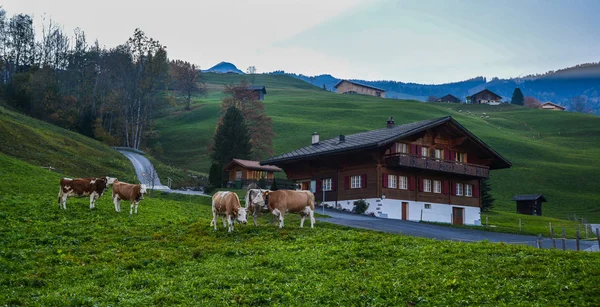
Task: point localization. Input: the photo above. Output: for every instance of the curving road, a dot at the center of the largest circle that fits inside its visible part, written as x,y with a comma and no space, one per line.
441,232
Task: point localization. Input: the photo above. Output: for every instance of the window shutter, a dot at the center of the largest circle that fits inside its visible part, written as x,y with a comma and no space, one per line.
446,154
419,150
320,185
452,155
363,179
333,186
385,180
411,183
476,189
445,187
453,188
413,150
420,184
394,148
346,182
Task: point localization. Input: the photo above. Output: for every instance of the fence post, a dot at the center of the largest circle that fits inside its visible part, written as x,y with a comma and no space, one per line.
539,240
550,226
552,236
486,222
598,236
519,225
564,239
577,240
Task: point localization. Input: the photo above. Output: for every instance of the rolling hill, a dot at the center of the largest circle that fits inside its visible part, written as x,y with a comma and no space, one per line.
554,153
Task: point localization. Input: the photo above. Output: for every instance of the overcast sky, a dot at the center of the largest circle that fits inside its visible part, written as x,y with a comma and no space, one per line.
427,41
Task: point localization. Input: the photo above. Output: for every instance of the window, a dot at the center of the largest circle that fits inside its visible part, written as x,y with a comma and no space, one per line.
392,181
425,151
427,206
238,175
437,186
459,189
439,154
401,148
426,185
403,182
461,157
327,184
356,182
468,190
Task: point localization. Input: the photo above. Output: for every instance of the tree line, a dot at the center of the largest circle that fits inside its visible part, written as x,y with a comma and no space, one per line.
110,94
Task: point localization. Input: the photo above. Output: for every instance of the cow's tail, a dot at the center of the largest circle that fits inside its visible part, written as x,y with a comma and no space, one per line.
60,193
247,198
311,200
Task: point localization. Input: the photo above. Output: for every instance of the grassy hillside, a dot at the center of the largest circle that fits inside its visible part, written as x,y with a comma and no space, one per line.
169,255
554,153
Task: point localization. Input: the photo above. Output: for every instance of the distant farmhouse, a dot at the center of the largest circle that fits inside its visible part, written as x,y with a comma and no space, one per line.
552,106
243,172
259,90
449,98
485,97
421,171
350,87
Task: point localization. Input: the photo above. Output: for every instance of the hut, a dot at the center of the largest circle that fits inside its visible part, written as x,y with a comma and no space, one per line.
530,204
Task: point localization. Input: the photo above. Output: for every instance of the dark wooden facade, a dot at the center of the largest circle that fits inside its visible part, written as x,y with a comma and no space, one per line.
449,98
484,97
530,204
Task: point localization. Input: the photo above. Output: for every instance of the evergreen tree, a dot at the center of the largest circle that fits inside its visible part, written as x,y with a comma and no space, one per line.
231,139
324,87
215,176
517,97
487,201
274,185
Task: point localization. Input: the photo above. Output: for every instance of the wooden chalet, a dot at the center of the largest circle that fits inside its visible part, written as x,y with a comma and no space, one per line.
259,90
485,97
429,170
530,204
242,172
448,98
351,87
552,106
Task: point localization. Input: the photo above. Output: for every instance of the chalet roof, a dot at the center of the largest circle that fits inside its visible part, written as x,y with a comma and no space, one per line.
529,197
255,165
258,88
359,84
375,139
548,103
485,90
448,97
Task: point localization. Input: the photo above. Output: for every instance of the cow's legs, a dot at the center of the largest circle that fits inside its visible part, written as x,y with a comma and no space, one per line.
302,217
214,220
115,202
224,221
64,201
312,218
92,196
136,206
255,218
230,222
131,209
279,215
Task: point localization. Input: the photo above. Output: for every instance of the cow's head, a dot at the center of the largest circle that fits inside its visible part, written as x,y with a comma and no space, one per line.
257,198
101,184
110,180
143,189
241,215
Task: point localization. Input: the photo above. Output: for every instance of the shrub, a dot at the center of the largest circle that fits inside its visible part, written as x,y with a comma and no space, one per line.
208,189
360,206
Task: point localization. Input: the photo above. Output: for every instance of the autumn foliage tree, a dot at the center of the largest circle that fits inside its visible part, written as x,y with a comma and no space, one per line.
185,78
532,102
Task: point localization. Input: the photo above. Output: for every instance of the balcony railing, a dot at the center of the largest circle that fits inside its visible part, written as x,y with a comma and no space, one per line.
438,165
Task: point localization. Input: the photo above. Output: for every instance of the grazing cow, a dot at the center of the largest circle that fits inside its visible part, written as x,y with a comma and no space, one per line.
126,191
81,187
301,202
255,202
227,204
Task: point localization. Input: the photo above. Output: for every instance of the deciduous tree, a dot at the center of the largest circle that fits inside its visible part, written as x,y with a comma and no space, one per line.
532,102
186,79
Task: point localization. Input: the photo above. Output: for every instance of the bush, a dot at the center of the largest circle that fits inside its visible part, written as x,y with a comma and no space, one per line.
208,189
360,206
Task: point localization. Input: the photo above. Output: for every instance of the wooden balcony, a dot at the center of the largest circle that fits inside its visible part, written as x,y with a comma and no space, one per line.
428,163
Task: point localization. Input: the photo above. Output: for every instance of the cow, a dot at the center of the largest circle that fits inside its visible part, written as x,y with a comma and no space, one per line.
81,187
283,201
255,202
227,204
127,191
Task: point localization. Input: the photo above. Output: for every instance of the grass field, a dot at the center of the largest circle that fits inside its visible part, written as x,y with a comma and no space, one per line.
554,153
169,255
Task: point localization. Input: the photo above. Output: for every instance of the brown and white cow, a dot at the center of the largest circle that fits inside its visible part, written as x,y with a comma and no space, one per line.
227,205
283,201
81,187
255,202
127,191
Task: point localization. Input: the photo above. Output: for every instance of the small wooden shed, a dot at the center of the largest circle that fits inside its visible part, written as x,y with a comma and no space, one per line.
530,204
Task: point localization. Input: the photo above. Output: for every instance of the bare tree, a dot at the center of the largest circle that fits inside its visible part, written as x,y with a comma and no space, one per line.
579,104
185,78
531,102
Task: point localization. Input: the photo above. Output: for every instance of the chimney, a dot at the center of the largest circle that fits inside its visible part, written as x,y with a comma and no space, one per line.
342,138
315,138
391,123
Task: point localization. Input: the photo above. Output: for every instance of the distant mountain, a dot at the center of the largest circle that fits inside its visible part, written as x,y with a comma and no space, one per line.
561,87
224,68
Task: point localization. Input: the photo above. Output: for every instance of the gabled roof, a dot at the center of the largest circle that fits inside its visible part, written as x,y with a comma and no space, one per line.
258,88
378,138
359,84
255,165
485,90
530,197
553,104
448,97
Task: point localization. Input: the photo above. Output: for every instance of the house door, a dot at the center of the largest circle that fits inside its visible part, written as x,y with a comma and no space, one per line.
404,211
457,216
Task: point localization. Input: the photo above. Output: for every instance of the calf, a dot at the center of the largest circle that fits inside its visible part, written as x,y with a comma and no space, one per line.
126,191
255,202
81,187
301,202
227,204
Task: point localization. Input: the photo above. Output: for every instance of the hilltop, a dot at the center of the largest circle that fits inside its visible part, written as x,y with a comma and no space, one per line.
552,152
223,68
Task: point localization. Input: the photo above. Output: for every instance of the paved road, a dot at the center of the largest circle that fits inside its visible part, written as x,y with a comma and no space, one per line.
145,172
440,232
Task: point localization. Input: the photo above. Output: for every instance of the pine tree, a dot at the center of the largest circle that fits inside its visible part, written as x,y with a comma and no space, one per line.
274,185
231,139
215,176
487,201
517,97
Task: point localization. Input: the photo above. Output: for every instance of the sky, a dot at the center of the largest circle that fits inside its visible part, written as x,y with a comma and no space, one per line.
427,41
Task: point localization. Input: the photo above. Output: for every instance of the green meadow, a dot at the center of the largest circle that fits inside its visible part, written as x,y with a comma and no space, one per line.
168,254
553,153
